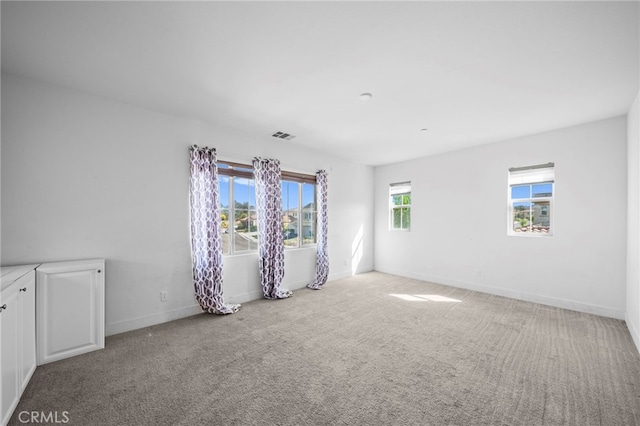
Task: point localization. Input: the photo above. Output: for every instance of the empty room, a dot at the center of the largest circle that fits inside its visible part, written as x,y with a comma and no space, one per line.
320,213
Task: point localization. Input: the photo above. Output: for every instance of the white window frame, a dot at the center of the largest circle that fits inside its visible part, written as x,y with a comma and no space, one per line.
238,170
301,212
400,188
531,175
231,174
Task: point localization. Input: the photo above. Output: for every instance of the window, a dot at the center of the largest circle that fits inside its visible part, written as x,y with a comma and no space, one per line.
400,206
299,213
238,208
531,200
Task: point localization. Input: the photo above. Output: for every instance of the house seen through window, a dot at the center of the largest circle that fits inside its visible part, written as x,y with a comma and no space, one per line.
237,209
239,220
299,214
531,191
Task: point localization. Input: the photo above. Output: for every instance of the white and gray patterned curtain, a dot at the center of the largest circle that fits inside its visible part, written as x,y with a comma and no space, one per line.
267,177
322,256
206,241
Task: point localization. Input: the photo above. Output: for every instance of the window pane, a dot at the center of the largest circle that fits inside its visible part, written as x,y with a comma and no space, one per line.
522,217
405,217
289,196
401,218
521,191
309,213
396,200
290,228
406,199
397,219
245,224
540,216
542,190
309,227
290,207
309,196
223,185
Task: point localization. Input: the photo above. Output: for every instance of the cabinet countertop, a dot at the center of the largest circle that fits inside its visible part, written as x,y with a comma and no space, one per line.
9,274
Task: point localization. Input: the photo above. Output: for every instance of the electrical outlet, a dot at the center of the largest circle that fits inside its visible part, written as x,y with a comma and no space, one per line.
163,296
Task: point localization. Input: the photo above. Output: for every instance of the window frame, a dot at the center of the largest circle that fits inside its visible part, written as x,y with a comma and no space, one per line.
238,170
542,174
231,209
393,207
301,211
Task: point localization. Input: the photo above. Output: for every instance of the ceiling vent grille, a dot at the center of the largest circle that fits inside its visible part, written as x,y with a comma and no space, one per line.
283,135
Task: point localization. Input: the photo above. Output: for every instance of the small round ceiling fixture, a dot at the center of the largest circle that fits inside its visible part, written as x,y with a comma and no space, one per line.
424,129
365,96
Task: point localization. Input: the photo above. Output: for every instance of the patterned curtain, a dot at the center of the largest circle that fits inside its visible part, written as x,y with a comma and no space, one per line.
206,241
266,175
322,256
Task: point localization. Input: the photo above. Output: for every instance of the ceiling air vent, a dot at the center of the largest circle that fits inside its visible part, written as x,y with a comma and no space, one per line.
283,135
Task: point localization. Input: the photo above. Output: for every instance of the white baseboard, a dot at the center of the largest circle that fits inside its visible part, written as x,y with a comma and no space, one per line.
257,294
153,319
339,275
244,297
166,316
515,294
635,335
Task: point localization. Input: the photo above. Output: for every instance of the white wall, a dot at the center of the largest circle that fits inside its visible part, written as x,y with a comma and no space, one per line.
633,223
87,177
459,220
633,220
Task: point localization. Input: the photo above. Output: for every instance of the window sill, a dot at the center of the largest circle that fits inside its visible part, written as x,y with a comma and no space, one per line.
246,253
255,252
305,247
529,235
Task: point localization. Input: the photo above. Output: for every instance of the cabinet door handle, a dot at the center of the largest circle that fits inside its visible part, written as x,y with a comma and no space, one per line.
3,307
23,289
99,271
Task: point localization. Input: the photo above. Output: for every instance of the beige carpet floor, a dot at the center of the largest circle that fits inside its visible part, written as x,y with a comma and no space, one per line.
373,349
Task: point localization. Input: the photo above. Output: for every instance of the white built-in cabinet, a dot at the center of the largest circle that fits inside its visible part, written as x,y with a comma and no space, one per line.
48,312
70,301
17,335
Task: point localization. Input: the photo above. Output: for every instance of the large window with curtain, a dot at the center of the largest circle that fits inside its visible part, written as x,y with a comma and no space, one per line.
238,209
531,191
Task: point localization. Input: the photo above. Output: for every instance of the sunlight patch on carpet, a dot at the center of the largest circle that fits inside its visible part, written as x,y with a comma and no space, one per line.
424,298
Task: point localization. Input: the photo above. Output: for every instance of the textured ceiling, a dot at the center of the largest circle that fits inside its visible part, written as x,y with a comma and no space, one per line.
469,72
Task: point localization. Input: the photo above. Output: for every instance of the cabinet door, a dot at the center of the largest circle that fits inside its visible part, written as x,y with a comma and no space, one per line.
27,327
9,389
70,309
